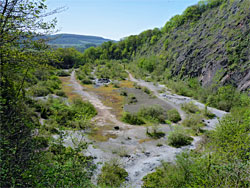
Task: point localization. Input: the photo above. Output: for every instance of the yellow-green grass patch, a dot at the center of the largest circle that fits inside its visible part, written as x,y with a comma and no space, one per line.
68,89
99,133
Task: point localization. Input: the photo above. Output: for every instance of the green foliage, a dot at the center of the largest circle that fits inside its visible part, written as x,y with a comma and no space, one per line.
173,115
153,113
178,138
43,88
60,93
59,114
68,168
132,119
224,162
146,90
112,175
232,137
63,73
194,121
112,70
148,64
84,74
190,108
227,97
69,57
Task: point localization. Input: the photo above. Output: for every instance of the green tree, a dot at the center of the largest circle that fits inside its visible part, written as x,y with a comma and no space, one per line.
21,21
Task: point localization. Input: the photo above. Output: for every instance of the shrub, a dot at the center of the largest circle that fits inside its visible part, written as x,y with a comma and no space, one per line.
207,113
86,81
194,121
146,90
38,91
178,139
60,93
62,73
153,113
190,108
112,175
173,115
132,119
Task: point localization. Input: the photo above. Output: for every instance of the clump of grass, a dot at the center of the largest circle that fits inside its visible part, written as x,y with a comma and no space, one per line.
60,93
153,113
62,73
207,113
146,90
112,174
121,151
178,138
159,144
194,122
163,90
136,86
155,133
173,115
132,119
190,108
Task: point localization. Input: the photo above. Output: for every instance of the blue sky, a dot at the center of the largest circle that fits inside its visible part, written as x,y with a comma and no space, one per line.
115,19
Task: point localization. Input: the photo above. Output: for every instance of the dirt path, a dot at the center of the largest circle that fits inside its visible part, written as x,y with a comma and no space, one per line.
104,115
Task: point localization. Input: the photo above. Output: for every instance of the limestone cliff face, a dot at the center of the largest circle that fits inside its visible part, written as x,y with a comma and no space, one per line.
216,47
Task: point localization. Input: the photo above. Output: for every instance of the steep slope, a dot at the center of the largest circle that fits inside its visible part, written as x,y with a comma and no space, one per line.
216,46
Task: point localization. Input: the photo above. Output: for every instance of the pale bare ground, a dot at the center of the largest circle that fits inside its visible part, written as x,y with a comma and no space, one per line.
135,150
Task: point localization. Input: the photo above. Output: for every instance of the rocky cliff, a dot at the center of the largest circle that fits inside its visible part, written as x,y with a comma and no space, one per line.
214,47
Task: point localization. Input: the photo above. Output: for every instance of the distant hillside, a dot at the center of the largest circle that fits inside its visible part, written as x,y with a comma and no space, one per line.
80,42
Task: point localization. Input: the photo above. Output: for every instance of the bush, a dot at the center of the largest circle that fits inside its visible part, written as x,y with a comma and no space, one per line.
173,115
63,73
112,175
132,119
208,114
190,108
38,91
194,122
86,81
153,113
60,93
146,90
178,139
